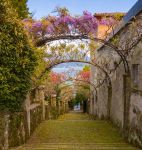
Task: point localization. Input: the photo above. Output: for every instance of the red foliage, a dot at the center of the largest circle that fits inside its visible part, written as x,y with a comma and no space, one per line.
84,75
56,78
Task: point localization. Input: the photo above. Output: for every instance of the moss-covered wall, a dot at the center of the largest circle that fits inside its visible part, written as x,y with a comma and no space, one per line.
17,129
18,126
2,128
18,132
36,117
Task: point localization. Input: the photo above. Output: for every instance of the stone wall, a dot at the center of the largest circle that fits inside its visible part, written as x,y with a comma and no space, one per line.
2,129
110,59
16,128
117,104
18,132
102,102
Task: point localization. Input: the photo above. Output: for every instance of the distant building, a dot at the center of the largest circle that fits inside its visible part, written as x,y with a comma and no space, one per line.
104,30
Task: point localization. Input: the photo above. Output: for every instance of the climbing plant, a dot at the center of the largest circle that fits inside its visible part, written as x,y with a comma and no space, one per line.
65,25
17,59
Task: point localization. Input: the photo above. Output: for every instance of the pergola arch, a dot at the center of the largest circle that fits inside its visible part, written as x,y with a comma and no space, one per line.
107,77
65,94
120,51
77,61
107,43
92,91
123,57
45,40
87,82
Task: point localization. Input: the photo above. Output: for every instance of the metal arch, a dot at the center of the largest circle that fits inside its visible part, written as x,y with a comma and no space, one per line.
84,36
68,61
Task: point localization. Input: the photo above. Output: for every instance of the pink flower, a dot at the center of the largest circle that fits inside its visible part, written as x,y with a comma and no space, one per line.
37,24
50,29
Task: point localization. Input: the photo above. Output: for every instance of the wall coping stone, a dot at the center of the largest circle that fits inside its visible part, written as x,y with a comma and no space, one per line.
33,106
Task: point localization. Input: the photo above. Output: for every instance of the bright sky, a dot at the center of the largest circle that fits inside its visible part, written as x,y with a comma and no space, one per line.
42,8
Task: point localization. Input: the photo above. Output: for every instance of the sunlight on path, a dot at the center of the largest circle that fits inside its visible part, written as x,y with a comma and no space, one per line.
76,131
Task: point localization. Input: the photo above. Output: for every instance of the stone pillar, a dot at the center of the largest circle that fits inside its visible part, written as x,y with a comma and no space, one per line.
37,98
59,107
6,132
66,106
53,100
109,101
63,105
47,110
91,105
28,115
95,104
126,100
42,100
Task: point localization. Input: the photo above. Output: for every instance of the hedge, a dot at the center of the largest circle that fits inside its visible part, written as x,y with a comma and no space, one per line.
17,59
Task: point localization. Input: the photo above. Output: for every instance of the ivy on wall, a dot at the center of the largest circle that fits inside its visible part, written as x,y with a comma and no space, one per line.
17,59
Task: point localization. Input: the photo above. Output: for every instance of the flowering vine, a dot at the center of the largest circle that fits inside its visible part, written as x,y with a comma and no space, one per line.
65,24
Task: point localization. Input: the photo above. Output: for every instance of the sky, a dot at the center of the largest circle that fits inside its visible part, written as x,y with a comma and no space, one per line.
42,8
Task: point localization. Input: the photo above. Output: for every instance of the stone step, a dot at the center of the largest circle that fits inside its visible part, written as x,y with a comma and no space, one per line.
77,146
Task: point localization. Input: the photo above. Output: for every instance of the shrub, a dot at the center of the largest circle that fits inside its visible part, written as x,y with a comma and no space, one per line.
17,59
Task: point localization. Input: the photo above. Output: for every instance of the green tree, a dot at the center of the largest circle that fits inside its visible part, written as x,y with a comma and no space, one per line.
17,59
80,97
21,7
86,68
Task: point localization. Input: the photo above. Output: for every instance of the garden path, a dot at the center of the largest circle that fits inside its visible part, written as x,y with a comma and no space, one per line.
76,131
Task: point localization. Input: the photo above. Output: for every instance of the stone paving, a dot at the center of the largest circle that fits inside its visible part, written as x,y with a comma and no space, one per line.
76,131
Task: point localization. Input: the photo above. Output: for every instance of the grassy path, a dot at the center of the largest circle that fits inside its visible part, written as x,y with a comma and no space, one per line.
76,131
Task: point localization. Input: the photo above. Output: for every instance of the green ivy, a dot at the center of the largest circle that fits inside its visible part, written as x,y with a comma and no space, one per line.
17,59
